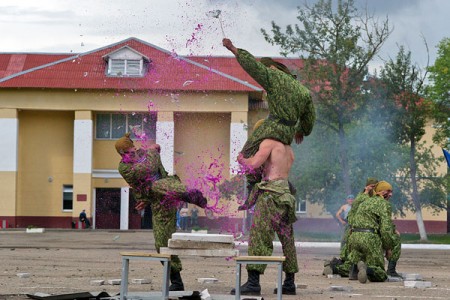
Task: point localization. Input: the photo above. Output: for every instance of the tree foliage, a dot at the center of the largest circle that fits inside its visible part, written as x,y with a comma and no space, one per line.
405,88
439,92
337,45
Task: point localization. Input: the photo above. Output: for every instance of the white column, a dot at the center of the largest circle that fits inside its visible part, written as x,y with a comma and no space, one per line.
238,137
124,207
165,137
82,146
9,130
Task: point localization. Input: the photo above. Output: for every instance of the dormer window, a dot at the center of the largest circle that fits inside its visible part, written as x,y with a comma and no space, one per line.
126,62
125,67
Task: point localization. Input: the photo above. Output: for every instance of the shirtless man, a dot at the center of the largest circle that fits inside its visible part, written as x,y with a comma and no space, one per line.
274,213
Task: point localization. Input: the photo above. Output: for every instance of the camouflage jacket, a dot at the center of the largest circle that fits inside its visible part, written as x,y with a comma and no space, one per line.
375,214
281,195
140,174
360,198
288,99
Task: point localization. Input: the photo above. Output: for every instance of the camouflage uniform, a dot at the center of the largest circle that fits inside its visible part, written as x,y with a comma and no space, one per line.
344,268
291,108
151,183
397,249
274,212
368,246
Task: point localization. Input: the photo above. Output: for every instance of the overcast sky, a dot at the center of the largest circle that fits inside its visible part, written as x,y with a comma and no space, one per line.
184,26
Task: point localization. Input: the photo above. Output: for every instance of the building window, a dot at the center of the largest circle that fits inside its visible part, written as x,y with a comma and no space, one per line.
125,67
110,126
300,205
67,197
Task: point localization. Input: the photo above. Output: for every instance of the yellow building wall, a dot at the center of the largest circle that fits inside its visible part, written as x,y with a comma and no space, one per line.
8,193
45,161
429,214
105,155
200,138
98,101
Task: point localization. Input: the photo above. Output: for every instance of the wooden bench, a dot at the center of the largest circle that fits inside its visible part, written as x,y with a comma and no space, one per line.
127,256
259,260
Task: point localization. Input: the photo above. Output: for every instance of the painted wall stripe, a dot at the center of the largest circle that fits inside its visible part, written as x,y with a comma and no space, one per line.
82,146
9,128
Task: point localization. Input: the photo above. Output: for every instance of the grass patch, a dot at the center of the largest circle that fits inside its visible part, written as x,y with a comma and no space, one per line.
411,238
317,237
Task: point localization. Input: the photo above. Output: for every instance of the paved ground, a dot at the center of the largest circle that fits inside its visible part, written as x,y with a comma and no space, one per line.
64,261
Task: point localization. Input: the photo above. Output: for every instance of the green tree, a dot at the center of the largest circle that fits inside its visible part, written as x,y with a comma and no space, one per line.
336,45
439,92
405,90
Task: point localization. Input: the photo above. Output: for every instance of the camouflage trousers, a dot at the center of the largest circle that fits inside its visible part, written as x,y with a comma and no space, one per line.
271,217
344,240
344,268
366,247
397,249
165,194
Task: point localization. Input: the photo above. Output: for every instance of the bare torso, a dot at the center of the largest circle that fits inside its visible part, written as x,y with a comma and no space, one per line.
275,157
279,162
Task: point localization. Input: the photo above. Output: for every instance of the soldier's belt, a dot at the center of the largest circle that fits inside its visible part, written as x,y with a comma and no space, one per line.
281,121
363,230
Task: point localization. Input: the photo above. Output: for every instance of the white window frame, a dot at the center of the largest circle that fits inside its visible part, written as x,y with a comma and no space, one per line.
298,206
151,134
124,68
67,188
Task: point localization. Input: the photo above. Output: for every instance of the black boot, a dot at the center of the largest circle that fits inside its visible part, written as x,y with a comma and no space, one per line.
177,282
353,273
251,287
391,269
329,267
195,197
288,287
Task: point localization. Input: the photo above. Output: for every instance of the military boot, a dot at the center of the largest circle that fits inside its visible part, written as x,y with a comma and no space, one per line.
391,269
288,287
251,287
177,282
329,267
362,272
195,197
353,273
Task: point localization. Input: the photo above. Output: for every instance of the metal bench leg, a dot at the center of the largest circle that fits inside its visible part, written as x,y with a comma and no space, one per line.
238,282
124,281
280,279
166,276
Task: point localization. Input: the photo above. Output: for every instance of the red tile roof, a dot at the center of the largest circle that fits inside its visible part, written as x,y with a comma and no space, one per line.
87,71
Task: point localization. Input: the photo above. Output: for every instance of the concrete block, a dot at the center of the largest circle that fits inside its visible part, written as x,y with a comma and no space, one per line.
35,230
201,252
301,286
207,280
97,282
341,288
417,284
334,276
23,275
141,281
180,244
202,237
412,277
114,281
204,295
394,279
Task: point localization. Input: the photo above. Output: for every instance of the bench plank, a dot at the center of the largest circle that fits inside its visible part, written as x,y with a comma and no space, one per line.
260,258
146,254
